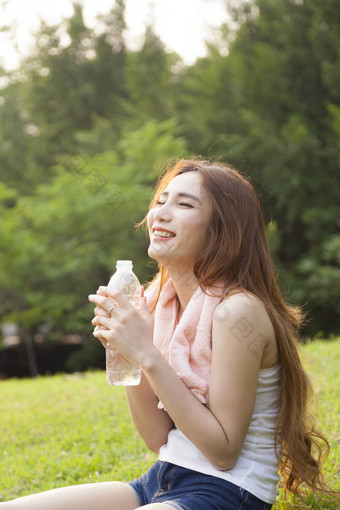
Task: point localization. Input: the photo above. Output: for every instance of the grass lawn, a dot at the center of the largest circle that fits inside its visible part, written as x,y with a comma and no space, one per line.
70,429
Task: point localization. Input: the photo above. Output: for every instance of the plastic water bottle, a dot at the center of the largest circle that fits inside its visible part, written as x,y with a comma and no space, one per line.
119,371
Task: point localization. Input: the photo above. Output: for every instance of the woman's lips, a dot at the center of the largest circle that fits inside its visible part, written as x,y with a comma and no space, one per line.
162,235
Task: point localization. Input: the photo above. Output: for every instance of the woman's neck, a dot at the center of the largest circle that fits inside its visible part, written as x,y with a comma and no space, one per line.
185,285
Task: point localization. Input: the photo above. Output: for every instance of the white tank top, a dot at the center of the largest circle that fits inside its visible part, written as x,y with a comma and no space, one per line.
256,469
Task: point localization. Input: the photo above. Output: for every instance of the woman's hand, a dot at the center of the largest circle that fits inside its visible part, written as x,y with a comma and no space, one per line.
129,330
99,311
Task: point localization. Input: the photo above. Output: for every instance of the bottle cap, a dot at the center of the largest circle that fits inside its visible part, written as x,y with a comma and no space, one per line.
124,263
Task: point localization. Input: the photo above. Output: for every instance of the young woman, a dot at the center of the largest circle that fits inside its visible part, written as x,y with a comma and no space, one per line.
223,394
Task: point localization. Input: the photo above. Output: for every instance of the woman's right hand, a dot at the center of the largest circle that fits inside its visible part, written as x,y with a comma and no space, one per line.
98,311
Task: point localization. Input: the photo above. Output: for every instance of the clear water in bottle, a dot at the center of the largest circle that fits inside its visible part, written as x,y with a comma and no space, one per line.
119,371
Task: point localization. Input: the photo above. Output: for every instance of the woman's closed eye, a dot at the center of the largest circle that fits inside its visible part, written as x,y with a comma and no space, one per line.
183,204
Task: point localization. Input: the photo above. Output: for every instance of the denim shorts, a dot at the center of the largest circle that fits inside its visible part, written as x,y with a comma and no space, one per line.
185,489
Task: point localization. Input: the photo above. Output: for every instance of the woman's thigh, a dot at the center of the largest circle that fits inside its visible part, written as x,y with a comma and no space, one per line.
92,496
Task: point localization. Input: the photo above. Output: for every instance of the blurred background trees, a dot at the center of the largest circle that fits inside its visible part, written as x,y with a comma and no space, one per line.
85,127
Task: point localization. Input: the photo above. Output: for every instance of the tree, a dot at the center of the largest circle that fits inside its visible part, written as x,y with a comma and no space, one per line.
14,140
67,85
265,98
274,104
150,80
61,243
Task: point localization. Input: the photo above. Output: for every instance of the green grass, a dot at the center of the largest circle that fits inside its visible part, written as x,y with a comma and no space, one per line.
70,429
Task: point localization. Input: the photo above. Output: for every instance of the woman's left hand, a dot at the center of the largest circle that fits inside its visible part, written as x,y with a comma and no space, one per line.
129,330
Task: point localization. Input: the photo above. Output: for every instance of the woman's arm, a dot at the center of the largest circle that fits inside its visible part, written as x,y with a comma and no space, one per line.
218,431
152,424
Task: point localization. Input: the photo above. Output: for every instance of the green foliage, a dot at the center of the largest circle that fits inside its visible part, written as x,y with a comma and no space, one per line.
16,136
318,283
68,84
82,431
273,111
150,80
60,244
86,122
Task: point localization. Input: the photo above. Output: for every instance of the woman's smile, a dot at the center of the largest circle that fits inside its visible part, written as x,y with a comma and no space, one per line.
161,234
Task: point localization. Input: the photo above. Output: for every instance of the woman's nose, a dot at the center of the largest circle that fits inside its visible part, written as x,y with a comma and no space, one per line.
162,213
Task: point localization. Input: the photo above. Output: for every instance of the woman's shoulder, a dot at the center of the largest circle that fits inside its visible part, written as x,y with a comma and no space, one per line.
244,305
241,298
244,311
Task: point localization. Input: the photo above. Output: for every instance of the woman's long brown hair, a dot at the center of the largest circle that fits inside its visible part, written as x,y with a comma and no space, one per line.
237,253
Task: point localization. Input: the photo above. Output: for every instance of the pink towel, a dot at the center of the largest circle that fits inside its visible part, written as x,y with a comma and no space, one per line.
187,346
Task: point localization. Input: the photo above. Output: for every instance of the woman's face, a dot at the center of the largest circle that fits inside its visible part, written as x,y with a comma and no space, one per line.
178,224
